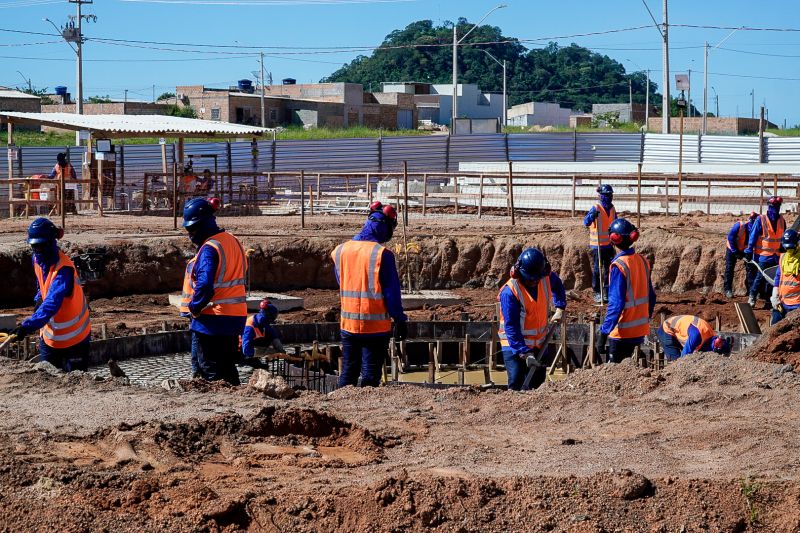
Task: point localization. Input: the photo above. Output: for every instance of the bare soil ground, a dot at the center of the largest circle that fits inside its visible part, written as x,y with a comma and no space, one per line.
708,444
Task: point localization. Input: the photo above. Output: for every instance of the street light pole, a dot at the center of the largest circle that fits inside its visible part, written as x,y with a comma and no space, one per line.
647,103
456,42
505,102
263,110
705,79
752,103
665,70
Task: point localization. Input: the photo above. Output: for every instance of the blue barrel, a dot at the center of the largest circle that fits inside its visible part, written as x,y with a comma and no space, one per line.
246,86
61,90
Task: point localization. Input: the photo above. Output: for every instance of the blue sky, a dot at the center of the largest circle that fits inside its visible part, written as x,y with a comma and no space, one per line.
765,62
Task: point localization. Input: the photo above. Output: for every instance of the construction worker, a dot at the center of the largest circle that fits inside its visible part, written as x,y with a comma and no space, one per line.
682,335
763,246
598,219
524,303
786,293
631,298
214,294
258,331
61,312
204,183
369,291
64,170
736,245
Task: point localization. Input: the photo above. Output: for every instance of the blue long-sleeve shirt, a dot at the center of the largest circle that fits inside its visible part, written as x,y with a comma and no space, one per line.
617,291
205,270
777,280
511,308
249,334
756,231
695,341
733,233
60,288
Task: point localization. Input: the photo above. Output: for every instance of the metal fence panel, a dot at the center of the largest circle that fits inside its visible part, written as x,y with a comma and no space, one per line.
728,149
541,147
665,148
421,153
327,154
608,146
782,150
491,147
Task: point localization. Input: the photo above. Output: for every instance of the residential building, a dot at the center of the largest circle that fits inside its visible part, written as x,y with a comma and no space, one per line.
624,112
13,100
434,102
538,114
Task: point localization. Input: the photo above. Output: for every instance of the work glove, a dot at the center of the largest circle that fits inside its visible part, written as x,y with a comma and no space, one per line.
557,316
748,255
594,214
19,332
400,330
602,343
278,345
775,299
739,255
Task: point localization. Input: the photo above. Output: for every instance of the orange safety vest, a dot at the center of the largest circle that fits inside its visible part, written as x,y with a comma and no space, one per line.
741,238
230,295
598,229
360,292
634,321
678,327
533,313
68,171
769,242
789,289
250,324
70,325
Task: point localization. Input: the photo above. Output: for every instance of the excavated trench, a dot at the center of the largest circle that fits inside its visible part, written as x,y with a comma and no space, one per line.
682,261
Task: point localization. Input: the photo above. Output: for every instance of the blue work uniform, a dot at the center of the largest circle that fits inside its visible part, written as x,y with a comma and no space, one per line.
733,252
249,339
760,286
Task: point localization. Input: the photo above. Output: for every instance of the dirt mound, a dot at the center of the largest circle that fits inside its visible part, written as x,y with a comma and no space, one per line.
780,344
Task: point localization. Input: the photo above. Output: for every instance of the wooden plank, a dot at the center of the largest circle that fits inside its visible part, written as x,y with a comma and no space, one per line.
747,318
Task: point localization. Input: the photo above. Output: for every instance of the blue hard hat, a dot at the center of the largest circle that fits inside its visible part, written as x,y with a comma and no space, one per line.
196,210
532,264
790,239
622,233
42,230
605,189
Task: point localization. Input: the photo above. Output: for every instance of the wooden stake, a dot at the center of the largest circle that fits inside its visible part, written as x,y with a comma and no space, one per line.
103,331
431,363
424,194
480,197
574,193
302,199
708,197
311,200
511,192
639,196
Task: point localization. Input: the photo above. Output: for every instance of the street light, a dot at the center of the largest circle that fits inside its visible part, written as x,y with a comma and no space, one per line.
705,79
716,102
646,97
505,103
456,42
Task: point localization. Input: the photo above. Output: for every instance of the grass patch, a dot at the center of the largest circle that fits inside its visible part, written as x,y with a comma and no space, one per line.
356,132
622,128
789,132
750,490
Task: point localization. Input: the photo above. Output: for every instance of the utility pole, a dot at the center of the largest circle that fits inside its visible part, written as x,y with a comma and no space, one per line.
630,98
752,103
73,33
705,89
665,71
454,107
647,103
154,94
263,110
689,95
505,99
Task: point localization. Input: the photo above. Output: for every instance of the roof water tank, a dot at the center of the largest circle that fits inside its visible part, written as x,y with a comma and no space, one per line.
246,86
61,90
289,81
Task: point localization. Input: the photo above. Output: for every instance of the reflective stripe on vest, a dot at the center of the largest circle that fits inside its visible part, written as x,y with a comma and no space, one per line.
598,229
363,309
678,327
71,324
789,289
634,321
230,294
741,238
532,315
769,242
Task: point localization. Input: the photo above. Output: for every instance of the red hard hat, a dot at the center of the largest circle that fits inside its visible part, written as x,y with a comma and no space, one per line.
775,200
375,206
215,203
753,215
263,304
390,212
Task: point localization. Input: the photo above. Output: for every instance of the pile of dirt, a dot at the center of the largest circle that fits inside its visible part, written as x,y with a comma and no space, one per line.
780,343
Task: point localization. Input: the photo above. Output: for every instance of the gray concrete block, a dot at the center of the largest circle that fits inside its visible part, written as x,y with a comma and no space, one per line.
417,300
8,321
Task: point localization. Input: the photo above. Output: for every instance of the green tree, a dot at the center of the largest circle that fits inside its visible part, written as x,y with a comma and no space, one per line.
165,96
99,99
571,75
185,112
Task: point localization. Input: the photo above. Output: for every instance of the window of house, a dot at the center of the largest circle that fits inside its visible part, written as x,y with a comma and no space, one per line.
273,114
214,113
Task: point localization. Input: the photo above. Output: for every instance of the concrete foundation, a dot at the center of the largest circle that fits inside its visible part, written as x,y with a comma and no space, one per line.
282,301
417,300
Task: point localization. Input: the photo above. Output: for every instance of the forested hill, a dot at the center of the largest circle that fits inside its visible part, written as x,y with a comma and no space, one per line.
574,76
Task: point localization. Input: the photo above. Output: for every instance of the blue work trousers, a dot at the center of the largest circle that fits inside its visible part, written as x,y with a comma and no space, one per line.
730,267
619,349
517,369
67,359
362,355
606,256
671,345
216,356
761,286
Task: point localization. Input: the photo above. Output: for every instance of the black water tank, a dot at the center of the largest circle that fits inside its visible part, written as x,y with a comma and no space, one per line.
246,86
289,81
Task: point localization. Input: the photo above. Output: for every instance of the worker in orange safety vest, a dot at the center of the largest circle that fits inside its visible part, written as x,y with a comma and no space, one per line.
681,335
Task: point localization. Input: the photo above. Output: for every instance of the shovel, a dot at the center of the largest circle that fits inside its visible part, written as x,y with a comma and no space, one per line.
537,363
7,340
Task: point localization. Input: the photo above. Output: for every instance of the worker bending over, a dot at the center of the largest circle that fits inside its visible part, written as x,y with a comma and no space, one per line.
682,335
369,291
786,293
736,245
598,220
524,303
61,312
631,298
763,245
214,294
258,331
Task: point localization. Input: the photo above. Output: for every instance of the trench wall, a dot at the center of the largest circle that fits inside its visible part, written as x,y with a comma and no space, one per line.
682,261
